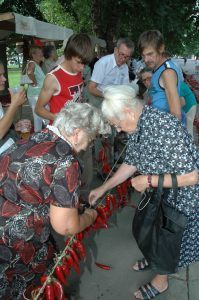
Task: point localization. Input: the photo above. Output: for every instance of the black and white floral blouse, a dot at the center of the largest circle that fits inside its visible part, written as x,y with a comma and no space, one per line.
162,145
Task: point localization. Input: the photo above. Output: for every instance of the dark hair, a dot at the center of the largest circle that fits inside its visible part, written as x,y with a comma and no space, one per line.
79,45
152,38
33,49
145,70
127,42
48,50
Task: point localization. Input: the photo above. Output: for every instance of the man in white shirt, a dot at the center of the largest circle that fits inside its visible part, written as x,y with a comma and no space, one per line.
111,69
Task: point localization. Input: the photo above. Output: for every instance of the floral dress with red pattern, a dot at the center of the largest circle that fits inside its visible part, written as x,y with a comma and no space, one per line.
33,174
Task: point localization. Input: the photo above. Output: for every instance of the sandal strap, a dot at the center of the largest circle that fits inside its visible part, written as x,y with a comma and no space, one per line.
153,289
148,291
144,294
142,264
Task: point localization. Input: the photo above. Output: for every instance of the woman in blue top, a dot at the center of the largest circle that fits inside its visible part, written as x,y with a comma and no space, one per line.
165,83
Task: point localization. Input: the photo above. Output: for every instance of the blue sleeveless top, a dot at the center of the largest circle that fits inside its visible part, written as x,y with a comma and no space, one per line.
157,93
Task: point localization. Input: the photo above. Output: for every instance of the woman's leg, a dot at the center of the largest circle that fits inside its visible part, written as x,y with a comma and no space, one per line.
159,282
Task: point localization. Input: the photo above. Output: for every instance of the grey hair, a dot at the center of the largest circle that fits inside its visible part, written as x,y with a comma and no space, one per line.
84,116
127,42
116,98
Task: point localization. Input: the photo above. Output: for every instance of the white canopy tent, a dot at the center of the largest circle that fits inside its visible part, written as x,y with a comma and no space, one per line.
15,23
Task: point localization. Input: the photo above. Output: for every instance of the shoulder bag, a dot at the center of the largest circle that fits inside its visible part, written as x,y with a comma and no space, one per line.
158,228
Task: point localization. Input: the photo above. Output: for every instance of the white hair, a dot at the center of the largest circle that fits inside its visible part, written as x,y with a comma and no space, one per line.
116,98
83,116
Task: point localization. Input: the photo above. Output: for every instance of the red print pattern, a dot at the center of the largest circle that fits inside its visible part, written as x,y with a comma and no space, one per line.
33,175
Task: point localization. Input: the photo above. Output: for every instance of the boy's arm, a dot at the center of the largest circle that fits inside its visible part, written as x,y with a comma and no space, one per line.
49,88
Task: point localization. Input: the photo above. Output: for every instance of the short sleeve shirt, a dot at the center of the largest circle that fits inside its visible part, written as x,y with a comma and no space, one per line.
106,72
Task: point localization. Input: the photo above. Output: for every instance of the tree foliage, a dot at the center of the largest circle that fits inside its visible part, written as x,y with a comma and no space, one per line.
24,7
110,19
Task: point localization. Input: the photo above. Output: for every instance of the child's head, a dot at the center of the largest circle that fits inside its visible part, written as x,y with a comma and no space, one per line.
36,53
79,45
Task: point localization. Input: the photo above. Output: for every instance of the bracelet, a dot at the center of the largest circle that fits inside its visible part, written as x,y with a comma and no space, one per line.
149,179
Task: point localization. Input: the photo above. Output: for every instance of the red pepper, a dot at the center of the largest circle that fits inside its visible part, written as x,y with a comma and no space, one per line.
49,292
119,191
43,278
124,188
65,270
108,201
104,267
114,203
74,256
60,275
102,155
80,236
81,249
58,290
101,211
69,261
106,168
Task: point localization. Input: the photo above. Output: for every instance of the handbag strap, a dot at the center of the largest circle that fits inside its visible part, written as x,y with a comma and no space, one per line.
160,186
174,186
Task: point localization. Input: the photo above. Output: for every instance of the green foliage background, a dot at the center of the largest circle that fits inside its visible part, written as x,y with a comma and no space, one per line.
109,19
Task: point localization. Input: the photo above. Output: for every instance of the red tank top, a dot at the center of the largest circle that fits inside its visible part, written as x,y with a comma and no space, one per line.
70,89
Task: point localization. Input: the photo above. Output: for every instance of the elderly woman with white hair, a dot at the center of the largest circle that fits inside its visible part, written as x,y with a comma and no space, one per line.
157,144
40,180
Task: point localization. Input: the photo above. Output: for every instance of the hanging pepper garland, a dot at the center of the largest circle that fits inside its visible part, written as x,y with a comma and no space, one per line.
52,283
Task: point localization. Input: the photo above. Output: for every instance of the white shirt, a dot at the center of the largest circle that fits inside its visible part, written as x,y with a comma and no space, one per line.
107,72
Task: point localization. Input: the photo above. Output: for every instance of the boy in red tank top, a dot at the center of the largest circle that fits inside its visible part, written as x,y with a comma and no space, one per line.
64,84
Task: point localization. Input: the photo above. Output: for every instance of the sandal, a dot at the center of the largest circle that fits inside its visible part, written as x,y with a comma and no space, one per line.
142,264
148,291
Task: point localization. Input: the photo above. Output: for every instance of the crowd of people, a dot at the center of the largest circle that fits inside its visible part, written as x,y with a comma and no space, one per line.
44,179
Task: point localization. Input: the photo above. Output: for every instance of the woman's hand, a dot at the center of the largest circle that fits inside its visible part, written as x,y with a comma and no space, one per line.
18,98
95,195
140,183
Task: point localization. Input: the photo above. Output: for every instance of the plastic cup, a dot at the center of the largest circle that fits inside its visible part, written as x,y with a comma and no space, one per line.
25,133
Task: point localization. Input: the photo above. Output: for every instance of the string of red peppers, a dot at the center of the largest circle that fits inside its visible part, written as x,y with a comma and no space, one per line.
52,284
74,252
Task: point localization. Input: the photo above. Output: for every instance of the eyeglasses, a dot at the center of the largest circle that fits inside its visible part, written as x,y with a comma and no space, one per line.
122,55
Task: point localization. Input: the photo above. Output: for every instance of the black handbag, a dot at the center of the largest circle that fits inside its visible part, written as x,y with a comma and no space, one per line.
158,228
